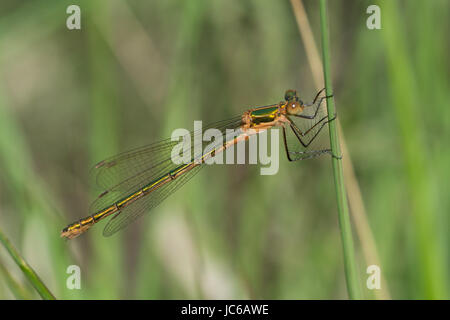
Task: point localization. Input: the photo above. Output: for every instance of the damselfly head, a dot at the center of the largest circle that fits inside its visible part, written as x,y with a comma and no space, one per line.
293,104
291,95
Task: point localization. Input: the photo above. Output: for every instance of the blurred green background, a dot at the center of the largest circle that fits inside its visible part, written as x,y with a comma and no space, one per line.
139,69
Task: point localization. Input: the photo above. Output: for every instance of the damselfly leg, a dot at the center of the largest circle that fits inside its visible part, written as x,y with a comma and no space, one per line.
306,129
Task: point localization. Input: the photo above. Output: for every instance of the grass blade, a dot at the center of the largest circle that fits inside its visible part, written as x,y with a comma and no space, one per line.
407,97
16,288
29,273
343,212
354,194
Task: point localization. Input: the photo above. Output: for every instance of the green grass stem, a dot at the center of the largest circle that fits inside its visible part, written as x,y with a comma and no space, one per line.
407,96
29,273
343,211
16,288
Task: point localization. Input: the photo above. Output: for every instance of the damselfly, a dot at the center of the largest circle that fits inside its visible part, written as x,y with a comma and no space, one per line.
139,180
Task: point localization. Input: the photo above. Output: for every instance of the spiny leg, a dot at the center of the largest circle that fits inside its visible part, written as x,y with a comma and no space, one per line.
304,144
315,112
316,97
312,127
299,134
285,145
304,154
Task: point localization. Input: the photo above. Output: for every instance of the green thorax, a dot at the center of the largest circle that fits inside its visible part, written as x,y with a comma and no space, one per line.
265,112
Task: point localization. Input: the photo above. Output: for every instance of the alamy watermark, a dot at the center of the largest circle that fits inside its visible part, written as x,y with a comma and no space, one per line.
374,278
221,147
374,20
73,22
74,279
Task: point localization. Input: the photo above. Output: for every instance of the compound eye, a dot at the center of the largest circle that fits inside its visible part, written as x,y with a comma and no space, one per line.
294,107
290,95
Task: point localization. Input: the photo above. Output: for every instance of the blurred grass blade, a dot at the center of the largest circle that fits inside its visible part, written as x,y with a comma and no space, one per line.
406,97
26,269
344,218
16,288
355,199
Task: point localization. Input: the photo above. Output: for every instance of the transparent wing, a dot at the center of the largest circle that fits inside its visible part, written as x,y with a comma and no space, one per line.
129,172
115,170
133,211
120,169
125,173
